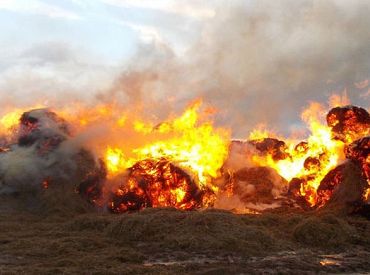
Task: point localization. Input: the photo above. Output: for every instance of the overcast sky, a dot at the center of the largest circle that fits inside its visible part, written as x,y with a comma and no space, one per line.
242,56
66,45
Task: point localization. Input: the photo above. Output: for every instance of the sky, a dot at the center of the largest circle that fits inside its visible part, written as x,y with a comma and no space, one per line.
110,29
254,61
54,41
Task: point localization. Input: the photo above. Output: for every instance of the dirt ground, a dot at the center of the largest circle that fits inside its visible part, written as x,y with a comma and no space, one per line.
61,236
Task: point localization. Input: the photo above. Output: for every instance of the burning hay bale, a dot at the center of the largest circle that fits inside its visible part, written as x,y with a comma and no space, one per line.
329,185
176,172
272,146
257,186
348,122
343,188
359,151
39,161
157,183
43,128
347,187
91,176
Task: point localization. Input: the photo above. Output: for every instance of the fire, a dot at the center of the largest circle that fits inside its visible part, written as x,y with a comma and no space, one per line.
157,183
260,132
309,161
182,162
191,144
10,120
115,160
176,168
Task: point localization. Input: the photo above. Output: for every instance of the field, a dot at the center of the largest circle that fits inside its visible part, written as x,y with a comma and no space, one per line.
60,234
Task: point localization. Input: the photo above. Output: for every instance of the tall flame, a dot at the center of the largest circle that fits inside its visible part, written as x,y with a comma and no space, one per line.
187,141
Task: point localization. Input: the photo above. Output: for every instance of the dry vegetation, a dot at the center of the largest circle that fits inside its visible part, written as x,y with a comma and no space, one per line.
61,234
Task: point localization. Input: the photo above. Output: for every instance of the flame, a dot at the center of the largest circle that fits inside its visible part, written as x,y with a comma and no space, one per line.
10,120
192,144
260,132
320,154
176,163
157,183
367,194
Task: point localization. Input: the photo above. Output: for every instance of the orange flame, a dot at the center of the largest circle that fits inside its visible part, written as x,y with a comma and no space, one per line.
325,152
192,144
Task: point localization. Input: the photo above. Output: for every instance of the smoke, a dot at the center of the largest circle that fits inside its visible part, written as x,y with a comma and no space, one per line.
52,74
44,150
257,62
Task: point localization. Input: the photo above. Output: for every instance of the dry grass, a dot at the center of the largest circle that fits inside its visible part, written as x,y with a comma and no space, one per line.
62,235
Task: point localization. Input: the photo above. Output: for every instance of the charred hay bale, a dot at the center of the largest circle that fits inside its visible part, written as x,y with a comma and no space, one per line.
258,184
348,122
343,189
90,176
271,146
329,184
43,128
78,191
359,151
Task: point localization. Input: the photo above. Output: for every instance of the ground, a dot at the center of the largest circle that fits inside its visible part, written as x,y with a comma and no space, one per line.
65,236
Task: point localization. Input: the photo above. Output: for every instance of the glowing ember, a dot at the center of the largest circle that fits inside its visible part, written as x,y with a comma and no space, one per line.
349,123
327,186
45,184
157,183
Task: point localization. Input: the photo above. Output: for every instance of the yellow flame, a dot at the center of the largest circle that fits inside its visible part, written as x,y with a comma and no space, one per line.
319,143
10,120
192,144
259,133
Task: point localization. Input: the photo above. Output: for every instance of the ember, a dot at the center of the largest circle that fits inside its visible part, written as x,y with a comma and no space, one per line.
45,184
327,186
348,123
157,183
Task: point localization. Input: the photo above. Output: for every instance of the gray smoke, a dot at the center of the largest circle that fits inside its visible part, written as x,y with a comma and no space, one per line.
257,62
44,150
